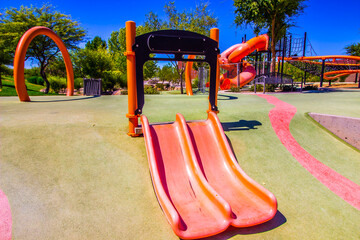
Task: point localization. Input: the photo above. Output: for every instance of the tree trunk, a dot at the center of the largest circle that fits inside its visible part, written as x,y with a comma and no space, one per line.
43,75
181,84
273,47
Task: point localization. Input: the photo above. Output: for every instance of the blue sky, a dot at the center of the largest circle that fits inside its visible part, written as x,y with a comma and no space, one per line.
330,24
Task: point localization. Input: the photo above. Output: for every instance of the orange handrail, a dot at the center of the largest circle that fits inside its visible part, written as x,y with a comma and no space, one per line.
339,73
323,57
20,55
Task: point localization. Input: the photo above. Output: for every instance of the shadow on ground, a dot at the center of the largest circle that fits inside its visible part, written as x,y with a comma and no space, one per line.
328,90
278,220
240,125
226,97
65,100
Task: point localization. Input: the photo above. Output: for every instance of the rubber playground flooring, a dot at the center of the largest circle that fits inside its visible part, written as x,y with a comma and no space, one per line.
70,171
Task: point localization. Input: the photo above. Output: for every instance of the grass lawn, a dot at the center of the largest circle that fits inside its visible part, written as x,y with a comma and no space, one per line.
8,88
70,171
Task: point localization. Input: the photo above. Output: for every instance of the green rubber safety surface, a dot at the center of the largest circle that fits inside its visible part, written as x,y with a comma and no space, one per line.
70,171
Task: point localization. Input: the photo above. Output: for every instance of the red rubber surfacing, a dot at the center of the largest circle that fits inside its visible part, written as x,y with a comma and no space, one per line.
5,218
280,118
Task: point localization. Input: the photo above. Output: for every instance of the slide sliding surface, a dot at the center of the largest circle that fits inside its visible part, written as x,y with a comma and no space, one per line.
192,207
198,182
251,203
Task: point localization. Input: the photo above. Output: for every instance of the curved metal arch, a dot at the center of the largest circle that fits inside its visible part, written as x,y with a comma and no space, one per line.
19,60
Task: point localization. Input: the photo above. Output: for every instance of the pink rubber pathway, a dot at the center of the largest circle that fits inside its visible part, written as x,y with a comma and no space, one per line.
280,117
5,218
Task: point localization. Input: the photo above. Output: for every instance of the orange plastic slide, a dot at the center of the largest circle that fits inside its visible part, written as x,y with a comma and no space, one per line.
234,54
198,182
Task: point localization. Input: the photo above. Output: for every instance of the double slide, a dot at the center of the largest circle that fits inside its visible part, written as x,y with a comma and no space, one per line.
230,57
200,186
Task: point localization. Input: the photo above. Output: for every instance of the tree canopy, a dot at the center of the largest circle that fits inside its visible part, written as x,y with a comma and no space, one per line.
15,22
353,49
273,16
96,43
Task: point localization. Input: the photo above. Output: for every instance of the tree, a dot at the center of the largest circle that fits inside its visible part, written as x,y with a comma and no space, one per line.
15,22
5,58
353,49
94,63
275,16
96,43
200,20
117,47
167,73
150,68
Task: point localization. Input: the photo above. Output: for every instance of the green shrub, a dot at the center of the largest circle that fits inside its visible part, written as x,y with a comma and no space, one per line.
150,90
310,87
195,83
235,89
160,86
268,87
57,83
6,70
287,88
78,83
112,78
36,80
35,71
124,92
259,88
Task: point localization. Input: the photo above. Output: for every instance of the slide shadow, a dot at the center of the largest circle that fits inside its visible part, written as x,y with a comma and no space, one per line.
66,100
278,220
226,97
240,125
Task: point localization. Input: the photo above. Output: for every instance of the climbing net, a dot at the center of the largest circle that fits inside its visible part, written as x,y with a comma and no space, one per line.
292,46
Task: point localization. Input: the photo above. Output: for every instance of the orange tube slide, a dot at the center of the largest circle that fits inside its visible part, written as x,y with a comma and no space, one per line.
198,182
233,55
259,43
20,55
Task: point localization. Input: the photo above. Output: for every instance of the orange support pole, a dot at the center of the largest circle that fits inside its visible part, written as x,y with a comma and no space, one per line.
188,69
20,55
214,34
131,78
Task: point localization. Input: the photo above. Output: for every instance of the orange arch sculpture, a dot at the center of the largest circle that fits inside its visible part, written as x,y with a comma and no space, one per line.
19,60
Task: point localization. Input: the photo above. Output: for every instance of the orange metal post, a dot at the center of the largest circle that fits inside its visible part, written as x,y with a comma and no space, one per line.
131,77
19,60
214,34
188,69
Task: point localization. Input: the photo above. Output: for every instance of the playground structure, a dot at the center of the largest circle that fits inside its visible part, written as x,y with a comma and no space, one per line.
327,67
251,65
239,72
197,180
300,53
20,55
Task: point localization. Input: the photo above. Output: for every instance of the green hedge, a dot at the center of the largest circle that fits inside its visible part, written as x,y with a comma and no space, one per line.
150,90
36,80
